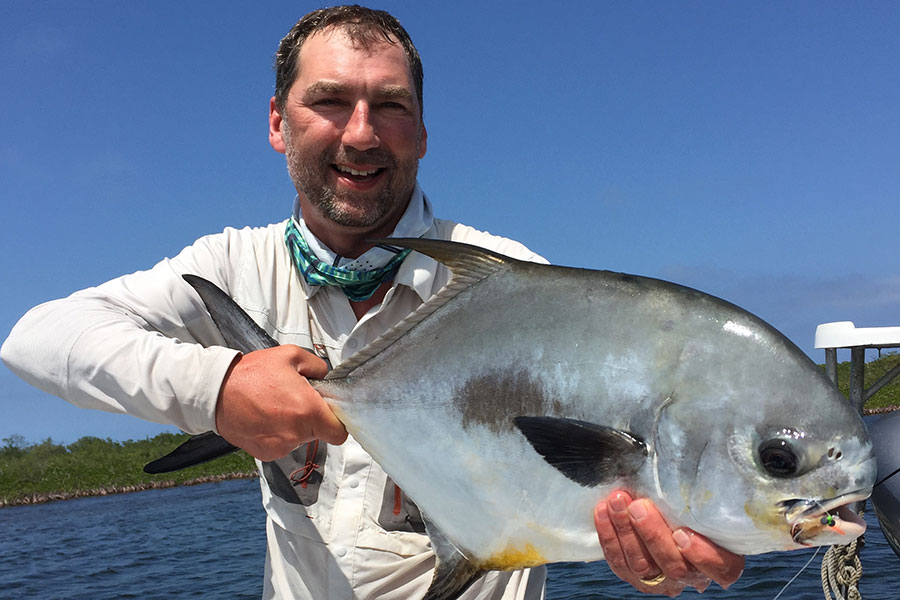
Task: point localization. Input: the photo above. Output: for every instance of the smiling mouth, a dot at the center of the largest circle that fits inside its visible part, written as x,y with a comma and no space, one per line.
357,175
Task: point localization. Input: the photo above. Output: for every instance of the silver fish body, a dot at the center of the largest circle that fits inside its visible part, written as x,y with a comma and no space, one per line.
520,395
699,381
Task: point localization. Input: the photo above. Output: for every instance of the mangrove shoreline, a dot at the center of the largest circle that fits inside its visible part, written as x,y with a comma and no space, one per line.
44,497
41,498
48,472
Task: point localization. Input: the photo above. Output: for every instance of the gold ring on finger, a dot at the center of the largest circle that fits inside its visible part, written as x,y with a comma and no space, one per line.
654,581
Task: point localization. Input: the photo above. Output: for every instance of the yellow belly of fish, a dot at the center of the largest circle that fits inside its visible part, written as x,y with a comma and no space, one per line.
512,558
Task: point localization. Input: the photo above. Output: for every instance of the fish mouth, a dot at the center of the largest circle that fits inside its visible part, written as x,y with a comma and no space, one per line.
824,522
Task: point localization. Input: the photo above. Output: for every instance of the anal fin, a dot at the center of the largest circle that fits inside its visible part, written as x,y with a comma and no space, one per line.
587,453
453,573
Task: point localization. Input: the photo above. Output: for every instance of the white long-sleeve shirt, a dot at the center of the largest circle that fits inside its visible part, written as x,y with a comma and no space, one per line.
143,344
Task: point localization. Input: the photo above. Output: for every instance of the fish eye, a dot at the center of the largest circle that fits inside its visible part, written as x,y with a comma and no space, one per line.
778,458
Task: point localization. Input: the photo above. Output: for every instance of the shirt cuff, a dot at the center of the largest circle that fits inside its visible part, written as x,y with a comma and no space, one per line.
205,396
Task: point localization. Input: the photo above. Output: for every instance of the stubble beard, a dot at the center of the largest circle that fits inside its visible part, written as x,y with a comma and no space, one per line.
345,207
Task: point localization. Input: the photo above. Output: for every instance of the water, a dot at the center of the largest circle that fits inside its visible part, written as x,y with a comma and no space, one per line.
208,541
764,576
205,541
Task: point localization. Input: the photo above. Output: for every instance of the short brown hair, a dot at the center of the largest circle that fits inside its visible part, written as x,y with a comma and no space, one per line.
365,26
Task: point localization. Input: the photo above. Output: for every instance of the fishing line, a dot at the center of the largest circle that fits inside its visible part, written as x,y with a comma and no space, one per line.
803,568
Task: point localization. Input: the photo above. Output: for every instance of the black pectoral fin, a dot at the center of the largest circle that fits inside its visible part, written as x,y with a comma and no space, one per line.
198,449
453,573
587,453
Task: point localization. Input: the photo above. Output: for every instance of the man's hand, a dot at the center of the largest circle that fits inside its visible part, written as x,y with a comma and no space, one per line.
267,406
643,550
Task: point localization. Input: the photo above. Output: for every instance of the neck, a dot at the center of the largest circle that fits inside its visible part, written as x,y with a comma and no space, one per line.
361,308
349,242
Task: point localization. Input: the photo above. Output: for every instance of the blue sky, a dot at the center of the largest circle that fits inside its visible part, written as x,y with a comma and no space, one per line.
751,150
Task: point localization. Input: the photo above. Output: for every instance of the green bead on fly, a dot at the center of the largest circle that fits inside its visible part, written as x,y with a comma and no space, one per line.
828,520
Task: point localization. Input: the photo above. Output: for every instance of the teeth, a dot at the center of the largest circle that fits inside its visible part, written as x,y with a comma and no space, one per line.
355,172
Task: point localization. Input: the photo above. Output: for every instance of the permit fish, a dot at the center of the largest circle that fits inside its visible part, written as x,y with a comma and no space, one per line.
512,401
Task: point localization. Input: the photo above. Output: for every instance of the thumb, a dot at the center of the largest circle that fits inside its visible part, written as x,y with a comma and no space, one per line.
306,363
329,428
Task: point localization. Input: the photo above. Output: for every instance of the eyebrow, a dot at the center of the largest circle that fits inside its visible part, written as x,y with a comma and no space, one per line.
326,87
394,91
335,88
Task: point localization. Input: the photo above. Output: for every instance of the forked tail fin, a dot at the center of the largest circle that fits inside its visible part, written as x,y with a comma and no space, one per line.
240,333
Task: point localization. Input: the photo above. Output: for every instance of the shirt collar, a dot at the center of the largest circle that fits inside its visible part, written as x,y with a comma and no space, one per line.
417,271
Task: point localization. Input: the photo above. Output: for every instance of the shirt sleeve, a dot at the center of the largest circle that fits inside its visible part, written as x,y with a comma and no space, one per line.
141,344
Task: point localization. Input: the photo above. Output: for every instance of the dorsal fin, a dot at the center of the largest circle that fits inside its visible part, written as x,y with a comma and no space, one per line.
469,264
463,259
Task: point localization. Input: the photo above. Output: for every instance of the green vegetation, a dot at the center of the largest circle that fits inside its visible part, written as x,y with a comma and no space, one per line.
48,471
889,395
37,472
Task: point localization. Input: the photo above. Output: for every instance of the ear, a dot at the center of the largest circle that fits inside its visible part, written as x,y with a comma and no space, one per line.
423,141
276,134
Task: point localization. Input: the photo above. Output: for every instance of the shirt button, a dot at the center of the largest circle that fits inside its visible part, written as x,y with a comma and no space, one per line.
341,552
352,343
354,483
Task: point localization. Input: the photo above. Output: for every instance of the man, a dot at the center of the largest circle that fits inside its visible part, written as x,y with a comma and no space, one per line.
347,113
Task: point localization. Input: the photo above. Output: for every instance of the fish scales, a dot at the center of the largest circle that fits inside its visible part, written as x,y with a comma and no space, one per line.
509,404
560,342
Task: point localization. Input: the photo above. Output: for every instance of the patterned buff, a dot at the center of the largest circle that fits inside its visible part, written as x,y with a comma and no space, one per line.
357,285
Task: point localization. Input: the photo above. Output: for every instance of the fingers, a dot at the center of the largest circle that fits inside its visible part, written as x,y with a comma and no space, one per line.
625,551
321,420
325,426
716,563
643,551
268,407
632,548
652,529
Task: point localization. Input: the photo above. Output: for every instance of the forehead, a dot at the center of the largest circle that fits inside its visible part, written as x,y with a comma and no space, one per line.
331,55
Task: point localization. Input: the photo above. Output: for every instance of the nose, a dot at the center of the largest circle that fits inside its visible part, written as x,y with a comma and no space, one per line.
359,132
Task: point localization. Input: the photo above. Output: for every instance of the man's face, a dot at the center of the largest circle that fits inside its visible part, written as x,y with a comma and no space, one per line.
351,130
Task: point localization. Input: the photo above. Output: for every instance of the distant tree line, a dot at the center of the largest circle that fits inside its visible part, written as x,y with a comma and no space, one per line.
35,472
48,471
887,397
